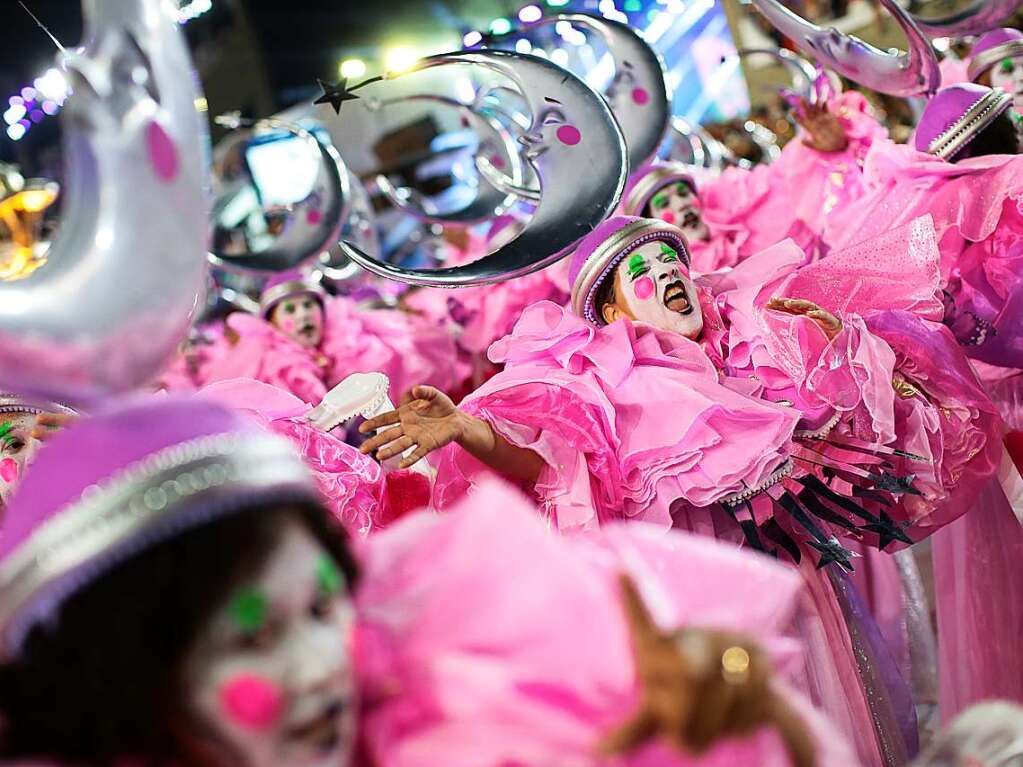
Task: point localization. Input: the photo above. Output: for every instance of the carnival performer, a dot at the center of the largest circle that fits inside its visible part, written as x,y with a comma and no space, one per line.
170,569
306,342
996,61
19,441
613,411
600,653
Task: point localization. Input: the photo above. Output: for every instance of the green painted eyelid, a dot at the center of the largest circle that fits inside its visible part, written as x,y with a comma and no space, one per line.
637,266
249,609
669,254
1007,65
328,576
660,200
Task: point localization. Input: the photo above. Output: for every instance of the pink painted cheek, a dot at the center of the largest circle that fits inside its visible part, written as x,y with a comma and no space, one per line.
640,96
569,135
251,702
163,155
643,288
668,217
314,217
9,470
287,324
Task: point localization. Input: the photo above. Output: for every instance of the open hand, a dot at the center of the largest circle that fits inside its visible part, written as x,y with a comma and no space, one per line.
428,421
827,321
824,129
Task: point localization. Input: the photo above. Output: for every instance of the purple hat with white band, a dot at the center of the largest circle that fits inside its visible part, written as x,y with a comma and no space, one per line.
648,180
956,115
999,44
288,285
599,253
118,483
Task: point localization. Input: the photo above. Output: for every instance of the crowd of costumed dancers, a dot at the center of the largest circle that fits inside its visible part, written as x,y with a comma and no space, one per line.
654,464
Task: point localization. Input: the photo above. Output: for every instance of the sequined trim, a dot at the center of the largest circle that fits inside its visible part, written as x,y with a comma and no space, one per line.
278,293
984,60
966,128
820,433
649,184
777,476
134,499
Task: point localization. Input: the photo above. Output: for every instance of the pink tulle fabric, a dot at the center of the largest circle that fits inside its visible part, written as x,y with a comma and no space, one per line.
352,484
975,206
470,660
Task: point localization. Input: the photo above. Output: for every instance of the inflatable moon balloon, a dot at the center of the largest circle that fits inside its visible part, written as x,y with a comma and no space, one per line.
979,17
898,74
281,198
638,94
577,151
126,268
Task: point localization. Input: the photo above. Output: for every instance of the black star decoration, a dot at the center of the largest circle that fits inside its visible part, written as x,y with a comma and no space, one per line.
832,551
336,94
887,531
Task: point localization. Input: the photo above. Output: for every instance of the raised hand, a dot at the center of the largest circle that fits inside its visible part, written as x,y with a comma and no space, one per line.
827,321
824,129
428,420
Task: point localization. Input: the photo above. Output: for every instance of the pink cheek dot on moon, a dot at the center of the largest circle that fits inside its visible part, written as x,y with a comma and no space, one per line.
163,155
8,470
314,216
643,288
668,217
497,162
640,96
252,702
569,135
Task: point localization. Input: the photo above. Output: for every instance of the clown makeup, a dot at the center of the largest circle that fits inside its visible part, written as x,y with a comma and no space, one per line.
655,288
301,318
17,449
1008,75
678,205
271,675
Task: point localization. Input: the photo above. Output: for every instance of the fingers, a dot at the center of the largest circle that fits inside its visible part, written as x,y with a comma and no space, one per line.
421,452
387,419
395,448
792,305
384,438
424,392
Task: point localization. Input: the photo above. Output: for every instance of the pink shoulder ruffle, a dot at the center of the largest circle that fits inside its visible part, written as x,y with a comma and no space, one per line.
352,484
628,420
460,670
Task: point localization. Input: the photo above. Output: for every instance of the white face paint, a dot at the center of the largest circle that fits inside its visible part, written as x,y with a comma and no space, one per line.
301,318
1007,74
271,674
652,283
17,450
677,205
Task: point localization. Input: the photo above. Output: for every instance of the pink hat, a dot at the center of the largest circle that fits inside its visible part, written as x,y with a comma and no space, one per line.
1005,43
956,115
118,483
647,181
286,285
596,257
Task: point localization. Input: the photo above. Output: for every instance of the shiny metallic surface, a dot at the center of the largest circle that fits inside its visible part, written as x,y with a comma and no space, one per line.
310,225
803,72
128,264
896,73
572,129
979,17
494,140
360,228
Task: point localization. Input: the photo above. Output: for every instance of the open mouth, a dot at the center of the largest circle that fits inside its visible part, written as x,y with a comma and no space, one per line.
308,330
322,733
691,219
677,299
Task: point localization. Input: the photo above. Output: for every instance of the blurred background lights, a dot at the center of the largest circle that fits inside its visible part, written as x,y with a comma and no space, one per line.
530,13
400,58
500,27
353,68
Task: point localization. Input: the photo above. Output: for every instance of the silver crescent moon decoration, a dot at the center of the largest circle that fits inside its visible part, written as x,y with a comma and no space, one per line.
312,215
128,264
489,201
896,73
638,94
360,228
979,17
803,72
572,131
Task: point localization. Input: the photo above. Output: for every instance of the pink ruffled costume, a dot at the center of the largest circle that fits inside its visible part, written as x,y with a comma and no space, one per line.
593,401
408,349
470,660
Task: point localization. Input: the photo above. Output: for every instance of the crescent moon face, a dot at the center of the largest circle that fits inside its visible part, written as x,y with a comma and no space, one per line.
578,152
124,272
638,94
979,17
496,144
285,179
900,74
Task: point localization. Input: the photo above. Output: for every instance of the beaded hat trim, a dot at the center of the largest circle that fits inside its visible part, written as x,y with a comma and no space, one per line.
966,128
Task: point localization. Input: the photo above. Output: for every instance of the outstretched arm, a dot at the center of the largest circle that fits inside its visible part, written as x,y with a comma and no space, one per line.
430,421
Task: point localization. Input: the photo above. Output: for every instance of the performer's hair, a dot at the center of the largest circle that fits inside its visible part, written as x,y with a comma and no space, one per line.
605,293
999,137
